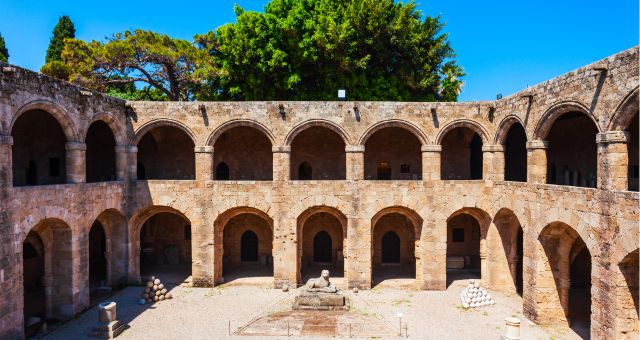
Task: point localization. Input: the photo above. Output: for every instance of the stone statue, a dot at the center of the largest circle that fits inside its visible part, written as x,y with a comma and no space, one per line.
321,284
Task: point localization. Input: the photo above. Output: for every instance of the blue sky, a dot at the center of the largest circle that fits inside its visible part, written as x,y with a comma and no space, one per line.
502,45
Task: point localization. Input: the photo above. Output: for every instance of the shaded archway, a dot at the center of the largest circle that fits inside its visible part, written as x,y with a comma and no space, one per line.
632,151
564,279
47,274
515,154
627,305
97,257
505,252
246,152
321,243
107,250
247,245
165,247
39,149
395,236
398,149
323,149
463,247
461,156
101,153
572,151
166,152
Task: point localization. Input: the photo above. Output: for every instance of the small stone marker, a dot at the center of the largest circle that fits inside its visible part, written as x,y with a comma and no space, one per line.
512,330
475,296
108,327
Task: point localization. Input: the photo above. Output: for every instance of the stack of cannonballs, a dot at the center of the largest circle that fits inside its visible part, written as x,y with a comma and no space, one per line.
475,296
154,291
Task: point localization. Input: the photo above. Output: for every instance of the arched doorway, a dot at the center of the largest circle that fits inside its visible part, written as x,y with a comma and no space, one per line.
323,150
33,282
572,152
222,171
246,250
392,153
634,158
166,152
246,152
505,252
101,153
97,257
463,248
165,247
515,154
390,247
322,249
305,172
39,150
461,156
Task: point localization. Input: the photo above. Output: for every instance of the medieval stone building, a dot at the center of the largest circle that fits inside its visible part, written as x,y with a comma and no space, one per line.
537,193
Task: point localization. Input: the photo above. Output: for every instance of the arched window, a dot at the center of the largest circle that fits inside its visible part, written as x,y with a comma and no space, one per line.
305,172
476,157
384,171
322,249
390,247
222,171
249,247
515,154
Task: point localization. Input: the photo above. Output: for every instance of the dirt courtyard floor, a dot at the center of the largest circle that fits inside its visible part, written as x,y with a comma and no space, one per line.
249,309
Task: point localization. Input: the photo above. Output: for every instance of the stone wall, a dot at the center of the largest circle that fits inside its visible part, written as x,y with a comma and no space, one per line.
604,218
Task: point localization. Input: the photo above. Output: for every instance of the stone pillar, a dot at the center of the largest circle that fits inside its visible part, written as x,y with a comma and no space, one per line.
613,160
285,252
537,161
485,273
355,162
76,162
434,255
431,162
357,261
132,163
204,163
121,162
6,163
281,163
493,162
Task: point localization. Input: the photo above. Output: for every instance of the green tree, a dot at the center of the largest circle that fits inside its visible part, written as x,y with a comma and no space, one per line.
4,53
64,30
170,67
308,49
452,83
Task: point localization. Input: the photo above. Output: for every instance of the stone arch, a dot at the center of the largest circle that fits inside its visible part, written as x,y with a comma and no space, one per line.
410,214
154,123
119,132
504,127
548,118
466,245
399,123
505,252
58,112
309,219
226,126
624,112
115,227
466,123
317,122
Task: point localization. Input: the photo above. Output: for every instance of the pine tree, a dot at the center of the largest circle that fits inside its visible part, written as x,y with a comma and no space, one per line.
4,53
64,29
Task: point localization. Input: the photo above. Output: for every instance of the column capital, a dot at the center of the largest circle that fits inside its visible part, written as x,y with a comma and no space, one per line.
76,146
612,137
537,144
132,149
354,148
121,148
6,140
203,149
431,148
493,148
281,149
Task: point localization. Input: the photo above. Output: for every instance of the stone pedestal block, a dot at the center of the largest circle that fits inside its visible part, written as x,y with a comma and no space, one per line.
320,301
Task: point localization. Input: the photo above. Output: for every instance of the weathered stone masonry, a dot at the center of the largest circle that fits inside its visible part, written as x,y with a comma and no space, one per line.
445,164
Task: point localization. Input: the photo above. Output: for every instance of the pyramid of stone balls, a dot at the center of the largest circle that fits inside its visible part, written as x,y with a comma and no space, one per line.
154,291
475,296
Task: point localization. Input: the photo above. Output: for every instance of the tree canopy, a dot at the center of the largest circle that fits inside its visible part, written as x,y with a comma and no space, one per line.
308,49
54,66
4,52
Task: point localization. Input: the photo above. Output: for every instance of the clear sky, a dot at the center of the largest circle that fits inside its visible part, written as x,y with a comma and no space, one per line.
502,45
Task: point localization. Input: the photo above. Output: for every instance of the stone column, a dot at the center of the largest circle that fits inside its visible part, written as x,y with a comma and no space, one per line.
132,163
357,261
493,162
613,160
537,161
6,163
121,162
431,162
434,255
76,162
485,273
281,163
285,251
355,162
204,163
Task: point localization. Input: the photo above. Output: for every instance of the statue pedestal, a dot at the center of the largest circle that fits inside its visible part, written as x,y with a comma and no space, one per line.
108,330
320,301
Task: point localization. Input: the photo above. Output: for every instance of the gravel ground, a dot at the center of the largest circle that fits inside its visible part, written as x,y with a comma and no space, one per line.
205,313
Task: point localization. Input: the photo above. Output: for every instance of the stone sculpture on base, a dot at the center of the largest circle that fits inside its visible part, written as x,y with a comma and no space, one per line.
108,327
320,294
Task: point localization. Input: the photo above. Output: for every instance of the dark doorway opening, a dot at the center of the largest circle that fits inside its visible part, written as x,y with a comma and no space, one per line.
515,154
322,249
222,171
390,247
249,247
101,153
475,160
384,171
33,273
97,259
305,172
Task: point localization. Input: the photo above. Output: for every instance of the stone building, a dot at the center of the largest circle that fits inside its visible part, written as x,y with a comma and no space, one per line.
536,193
